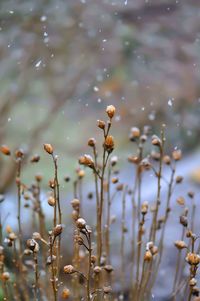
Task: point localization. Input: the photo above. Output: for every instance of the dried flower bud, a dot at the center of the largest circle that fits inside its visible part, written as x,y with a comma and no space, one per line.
180,244
179,179
155,155
108,268
183,220
32,245
110,110
143,138
192,282
193,258
50,259
114,160
93,259
5,150
191,194
75,204
36,236
80,223
154,250
180,200
69,269
134,133
57,230
155,140
167,160
51,201
115,180
146,164
19,153
48,148
35,159
5,276
38,177
87,161
12,236
9,229
65,293
109,144
81,173
148,256
134,159
177,154
75,215
28,252
119,187
97,269
91,142
107,289
101,124
144,208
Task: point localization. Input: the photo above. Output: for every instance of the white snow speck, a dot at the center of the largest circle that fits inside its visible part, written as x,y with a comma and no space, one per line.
170,102
43,18
37,65
96,89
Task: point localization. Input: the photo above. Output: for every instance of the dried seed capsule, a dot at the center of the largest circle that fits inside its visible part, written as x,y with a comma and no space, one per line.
180,200
87,161
110,110
177,154
144,208
91,142
81,173
35,159
5,150
5,276
97,269
81,223
134,159
38,177
167,160
65,293
75,204
51,201
19,153
193,258
148,256
192,282
109,144
108,268
156,140
69,269
48,148
180,244
57,230
179,179
107,289
32,245
36,236
134,133
183,220
114,160
101,124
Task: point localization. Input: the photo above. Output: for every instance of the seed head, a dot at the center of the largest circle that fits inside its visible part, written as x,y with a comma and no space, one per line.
69,269
110,110
5,150
48,148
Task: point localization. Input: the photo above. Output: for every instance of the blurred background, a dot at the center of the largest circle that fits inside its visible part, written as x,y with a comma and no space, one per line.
62,62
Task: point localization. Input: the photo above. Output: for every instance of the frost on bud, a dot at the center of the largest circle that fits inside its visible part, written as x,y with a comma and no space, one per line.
87,161
97,269
144,208
57,230
19,153
48,148
134,159
180,244
183,221
192,282
110,110
5,150
114,160
193,258
36,236
65,294
91,142
109,144
80,223
101,124
69,269
177,154
32,245
146,164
